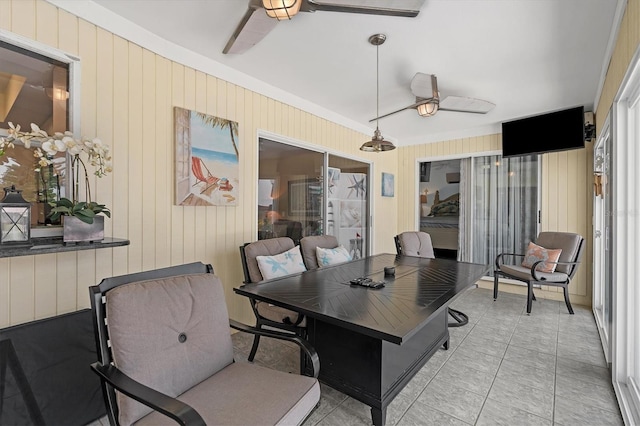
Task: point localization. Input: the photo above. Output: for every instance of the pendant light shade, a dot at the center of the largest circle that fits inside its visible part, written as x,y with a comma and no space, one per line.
377,142
281,9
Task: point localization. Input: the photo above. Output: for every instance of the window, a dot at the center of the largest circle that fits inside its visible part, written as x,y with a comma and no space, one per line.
293,201
36,86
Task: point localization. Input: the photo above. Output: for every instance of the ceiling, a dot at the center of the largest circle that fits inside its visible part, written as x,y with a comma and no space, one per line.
526,56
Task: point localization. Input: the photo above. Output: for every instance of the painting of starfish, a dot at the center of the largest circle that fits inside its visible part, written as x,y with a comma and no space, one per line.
357,186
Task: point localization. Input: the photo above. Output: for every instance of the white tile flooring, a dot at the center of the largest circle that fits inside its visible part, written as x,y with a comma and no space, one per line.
503,368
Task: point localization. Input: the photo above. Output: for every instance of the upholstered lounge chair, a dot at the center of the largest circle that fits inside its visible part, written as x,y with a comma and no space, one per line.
266,314
417,243
165,355
572,246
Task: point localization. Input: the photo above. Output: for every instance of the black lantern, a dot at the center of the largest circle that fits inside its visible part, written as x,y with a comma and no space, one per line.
15,219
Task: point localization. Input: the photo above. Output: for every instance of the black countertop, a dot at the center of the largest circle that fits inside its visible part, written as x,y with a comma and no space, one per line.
55,245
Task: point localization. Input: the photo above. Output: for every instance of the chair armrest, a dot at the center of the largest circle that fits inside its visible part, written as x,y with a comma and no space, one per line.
306,346
286,320
179,411
501,255
535,265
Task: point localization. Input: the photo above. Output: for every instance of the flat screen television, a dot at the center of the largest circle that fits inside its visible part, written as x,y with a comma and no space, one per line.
555,131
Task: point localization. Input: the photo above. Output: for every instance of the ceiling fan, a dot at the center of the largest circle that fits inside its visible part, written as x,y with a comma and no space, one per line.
263,15
425,88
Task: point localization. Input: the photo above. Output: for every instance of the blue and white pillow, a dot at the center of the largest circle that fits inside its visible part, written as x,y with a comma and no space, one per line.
332,256
279,265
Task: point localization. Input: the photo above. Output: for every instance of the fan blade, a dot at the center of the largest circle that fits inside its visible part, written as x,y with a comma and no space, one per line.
253,27
405,8
424,86
400,110
463,104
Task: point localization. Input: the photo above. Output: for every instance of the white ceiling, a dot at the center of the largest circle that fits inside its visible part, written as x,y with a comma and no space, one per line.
526,56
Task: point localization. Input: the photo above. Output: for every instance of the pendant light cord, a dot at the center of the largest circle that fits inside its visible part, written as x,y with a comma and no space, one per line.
377,84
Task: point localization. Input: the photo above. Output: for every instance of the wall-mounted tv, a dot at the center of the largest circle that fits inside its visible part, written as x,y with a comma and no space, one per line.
555,131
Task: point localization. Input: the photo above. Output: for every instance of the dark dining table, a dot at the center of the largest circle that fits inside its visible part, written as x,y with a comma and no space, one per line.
371,342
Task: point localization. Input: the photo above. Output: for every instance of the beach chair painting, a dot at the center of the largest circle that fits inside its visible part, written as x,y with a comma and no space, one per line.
207,166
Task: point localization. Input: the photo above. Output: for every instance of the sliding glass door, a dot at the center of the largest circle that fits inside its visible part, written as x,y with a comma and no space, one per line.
477,207
304,192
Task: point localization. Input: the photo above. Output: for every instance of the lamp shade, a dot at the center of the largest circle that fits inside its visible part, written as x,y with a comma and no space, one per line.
428,109
377,144
281,9
15,219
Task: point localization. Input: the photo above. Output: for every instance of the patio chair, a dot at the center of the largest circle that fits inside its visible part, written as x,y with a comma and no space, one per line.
417,243
209,180
265,313
539,268
308,247
165,354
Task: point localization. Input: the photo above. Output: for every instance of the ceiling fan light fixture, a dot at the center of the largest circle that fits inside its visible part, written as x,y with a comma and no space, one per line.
281,9
428,109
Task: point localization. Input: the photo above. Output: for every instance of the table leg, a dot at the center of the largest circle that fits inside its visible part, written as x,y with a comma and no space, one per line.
379,416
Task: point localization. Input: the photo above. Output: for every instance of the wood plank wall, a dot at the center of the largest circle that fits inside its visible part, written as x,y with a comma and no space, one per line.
127,99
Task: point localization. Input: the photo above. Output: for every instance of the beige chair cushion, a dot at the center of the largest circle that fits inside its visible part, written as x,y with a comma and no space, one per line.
568,242
264,248
524,273
227,398
416,244
146,320
308,247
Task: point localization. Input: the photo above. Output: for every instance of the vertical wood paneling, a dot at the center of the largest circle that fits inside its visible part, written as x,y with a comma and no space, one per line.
5,24
21,289
128,94
86,267
135,184
104,128
5,281
177,96
188,212
47,23
200,214
164,171
149,161
23,18
45,287
120,153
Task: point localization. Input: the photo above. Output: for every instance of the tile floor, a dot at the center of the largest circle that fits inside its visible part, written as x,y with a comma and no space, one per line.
503,368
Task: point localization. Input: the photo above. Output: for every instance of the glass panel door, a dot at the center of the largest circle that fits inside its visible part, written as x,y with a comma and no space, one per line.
347,204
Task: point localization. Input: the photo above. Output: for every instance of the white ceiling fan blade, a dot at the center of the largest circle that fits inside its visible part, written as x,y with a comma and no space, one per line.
406,8
424,86
253,27
464,104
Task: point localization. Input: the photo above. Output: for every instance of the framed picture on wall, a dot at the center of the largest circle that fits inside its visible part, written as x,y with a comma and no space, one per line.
387,185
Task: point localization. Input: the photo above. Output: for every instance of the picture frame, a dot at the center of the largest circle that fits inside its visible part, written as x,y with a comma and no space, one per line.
388,184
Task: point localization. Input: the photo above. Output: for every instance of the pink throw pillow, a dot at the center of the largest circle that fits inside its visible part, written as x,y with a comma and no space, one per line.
536,253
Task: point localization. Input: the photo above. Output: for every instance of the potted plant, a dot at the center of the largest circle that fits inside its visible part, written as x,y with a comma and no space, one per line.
82,220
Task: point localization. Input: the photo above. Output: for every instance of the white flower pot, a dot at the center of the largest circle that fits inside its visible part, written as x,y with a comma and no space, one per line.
75,230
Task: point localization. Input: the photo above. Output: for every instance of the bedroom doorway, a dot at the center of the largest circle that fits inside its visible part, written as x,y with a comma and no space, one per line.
440,205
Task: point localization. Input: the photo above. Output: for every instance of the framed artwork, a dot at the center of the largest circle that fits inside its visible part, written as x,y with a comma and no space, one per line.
207,163
387,184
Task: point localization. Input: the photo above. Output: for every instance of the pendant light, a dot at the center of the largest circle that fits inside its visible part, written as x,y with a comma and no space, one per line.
377,142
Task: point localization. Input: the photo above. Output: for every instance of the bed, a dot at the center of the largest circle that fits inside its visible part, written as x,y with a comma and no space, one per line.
442,221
